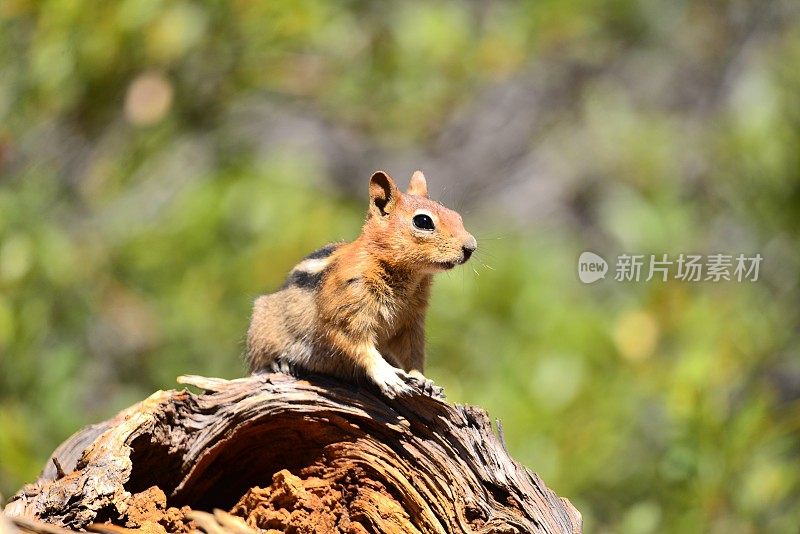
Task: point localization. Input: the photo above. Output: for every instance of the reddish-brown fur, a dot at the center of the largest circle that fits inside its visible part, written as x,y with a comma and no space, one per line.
358,309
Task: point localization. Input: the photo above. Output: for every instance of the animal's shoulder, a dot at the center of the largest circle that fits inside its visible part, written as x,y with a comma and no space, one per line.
323,252
309,272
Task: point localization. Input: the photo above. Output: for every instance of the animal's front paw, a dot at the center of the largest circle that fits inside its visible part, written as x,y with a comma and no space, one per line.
426,384
396,386
393,382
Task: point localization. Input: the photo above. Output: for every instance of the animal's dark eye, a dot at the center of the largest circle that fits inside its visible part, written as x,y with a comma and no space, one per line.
423,222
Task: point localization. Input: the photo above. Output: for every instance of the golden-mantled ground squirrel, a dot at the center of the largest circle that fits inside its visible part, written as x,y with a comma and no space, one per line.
357,310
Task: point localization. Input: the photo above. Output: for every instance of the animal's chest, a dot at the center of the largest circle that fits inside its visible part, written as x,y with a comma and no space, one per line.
389,314
393,312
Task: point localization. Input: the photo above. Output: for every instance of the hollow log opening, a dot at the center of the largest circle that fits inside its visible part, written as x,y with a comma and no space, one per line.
291,455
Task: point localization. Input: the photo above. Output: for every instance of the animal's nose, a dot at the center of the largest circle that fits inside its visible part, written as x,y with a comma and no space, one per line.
469,247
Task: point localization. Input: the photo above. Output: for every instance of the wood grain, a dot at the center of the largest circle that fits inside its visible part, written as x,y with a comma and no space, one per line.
292,455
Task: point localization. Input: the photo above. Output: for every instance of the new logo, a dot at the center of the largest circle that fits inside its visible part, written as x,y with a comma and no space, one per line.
591,267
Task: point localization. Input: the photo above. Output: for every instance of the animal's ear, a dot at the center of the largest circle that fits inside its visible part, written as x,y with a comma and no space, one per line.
383,194
418,186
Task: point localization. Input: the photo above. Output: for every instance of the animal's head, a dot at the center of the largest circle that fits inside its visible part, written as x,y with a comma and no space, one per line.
414,231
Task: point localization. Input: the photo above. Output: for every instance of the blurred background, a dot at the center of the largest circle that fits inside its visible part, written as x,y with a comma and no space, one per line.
164,162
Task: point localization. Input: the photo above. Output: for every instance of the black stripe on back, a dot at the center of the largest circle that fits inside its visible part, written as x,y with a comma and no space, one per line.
306,280
303,280
324,252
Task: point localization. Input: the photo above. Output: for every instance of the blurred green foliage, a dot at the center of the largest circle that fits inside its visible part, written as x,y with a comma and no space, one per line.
652,406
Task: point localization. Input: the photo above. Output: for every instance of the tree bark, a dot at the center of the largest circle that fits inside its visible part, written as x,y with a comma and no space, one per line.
291,455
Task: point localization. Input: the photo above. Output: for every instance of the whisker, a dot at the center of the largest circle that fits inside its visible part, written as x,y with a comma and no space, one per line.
484,254
442,192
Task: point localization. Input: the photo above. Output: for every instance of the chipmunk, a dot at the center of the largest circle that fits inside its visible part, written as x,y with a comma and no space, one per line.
357,310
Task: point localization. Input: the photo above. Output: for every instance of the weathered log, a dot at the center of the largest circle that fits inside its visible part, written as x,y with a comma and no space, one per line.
291,455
